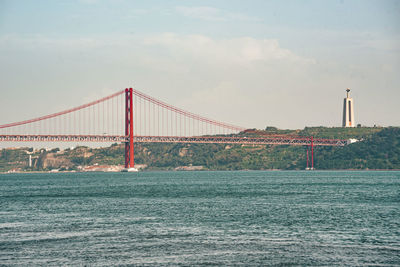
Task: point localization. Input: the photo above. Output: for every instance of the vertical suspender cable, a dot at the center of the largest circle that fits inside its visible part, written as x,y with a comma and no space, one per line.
148,115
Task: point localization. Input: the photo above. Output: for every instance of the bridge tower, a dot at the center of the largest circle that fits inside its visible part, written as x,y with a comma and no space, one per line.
129,152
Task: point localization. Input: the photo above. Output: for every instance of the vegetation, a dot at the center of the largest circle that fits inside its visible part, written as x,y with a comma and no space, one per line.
379,149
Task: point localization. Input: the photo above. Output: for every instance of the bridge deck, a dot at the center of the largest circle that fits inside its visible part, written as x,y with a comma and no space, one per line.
176,139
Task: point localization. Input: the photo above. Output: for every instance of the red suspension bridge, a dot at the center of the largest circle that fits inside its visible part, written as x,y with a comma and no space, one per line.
130,116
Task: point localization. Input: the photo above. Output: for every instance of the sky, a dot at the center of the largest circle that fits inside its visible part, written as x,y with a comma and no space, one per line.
251,63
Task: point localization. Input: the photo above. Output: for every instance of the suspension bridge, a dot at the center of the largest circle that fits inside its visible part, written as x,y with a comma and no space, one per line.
130,116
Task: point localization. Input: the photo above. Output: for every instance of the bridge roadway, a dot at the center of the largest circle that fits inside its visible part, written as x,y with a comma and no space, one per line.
265,140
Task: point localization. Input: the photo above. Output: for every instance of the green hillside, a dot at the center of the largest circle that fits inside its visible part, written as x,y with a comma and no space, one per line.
329,132
379,149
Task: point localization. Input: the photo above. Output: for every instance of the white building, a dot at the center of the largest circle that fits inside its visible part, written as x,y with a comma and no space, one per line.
348,111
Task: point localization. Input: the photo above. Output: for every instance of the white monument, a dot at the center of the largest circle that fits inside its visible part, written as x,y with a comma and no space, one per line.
348,111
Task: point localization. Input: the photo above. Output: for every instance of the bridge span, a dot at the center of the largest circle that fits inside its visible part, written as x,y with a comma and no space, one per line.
130,116
300,141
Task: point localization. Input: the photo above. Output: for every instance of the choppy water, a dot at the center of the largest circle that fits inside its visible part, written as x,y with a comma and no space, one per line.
200,218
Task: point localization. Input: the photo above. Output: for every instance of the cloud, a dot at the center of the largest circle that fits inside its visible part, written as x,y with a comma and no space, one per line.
198,47
201,12
234,50
233,77
212,14
136,13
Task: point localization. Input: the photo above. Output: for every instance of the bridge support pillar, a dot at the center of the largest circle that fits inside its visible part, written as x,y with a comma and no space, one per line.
312,153
129,151
310,145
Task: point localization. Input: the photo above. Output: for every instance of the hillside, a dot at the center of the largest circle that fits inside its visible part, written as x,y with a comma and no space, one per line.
329,132
380,149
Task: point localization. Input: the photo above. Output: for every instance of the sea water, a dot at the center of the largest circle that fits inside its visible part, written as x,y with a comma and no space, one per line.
200,218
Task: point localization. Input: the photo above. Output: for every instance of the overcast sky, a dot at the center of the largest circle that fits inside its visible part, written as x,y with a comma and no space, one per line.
250,63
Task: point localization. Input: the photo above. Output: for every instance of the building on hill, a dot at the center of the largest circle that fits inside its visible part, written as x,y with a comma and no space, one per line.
348,111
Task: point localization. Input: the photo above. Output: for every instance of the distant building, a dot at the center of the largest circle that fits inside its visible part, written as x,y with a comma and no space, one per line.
348,111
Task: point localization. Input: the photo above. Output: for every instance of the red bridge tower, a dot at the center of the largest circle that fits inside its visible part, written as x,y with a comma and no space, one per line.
129,152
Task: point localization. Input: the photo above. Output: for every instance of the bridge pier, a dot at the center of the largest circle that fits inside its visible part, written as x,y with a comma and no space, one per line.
312,153
311,145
